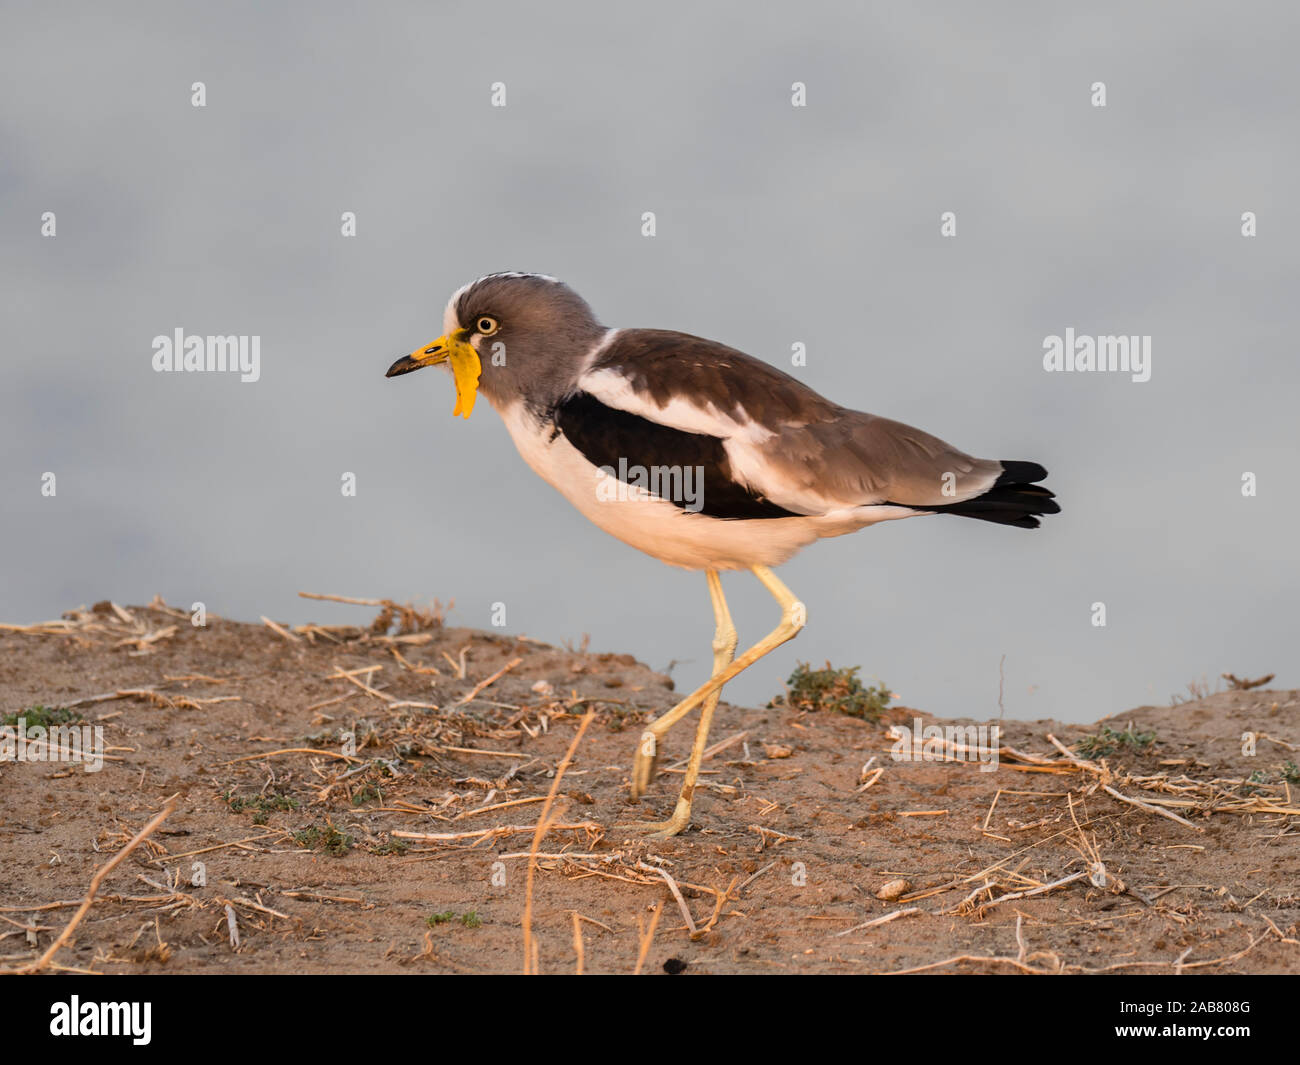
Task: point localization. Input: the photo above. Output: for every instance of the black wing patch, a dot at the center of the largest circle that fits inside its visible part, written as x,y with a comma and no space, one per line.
621,441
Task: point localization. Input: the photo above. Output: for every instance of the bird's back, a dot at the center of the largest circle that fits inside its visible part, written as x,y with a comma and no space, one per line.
791,444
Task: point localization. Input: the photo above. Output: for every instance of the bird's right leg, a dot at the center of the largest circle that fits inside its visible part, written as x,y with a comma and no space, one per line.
724,650
793,618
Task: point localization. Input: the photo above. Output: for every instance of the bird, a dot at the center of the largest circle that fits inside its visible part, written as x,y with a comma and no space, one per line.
701,456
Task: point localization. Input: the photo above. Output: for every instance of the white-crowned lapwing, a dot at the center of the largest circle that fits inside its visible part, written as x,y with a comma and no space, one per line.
699,455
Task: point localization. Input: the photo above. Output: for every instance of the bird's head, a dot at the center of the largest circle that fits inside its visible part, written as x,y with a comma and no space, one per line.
512,336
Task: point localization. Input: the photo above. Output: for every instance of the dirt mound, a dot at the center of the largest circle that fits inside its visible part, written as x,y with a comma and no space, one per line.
1162,842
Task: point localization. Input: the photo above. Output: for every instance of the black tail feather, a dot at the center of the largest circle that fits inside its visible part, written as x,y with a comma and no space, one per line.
1013,500
1014,472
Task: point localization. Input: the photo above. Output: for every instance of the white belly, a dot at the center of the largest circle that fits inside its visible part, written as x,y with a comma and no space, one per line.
658,527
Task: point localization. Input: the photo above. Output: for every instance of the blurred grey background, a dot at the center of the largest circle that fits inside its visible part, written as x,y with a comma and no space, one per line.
775,225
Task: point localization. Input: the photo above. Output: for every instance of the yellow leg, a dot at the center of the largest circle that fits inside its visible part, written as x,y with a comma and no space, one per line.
724,650
793,618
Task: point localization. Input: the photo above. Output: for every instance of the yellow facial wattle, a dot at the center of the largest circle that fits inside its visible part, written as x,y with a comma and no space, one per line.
465,371
465,366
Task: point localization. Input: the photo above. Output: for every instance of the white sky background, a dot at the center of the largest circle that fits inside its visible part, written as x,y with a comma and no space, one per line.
775,225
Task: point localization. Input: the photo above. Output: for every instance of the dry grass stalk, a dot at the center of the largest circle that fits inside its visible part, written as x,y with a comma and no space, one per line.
879,921
232,926
487,754
458,666
677,894
778,837
543,823
1212,796
490,681
577,942
646,936
292,750
709,752
410,618
95,881
1147,806
1240,684
876,774
498,806
498,831
280,630
562,856
718,903
156,603
350,675
144,643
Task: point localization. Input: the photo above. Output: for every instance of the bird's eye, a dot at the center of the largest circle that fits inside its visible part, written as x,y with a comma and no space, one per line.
486,326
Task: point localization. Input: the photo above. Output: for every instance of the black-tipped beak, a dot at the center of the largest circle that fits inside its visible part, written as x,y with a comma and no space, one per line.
418,359
405,364
465,365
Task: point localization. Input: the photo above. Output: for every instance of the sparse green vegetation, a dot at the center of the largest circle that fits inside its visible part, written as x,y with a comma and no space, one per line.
1109,741
261,805
614,713
43,717
469,920
328,839
1287,772
393,846
240,803
836,690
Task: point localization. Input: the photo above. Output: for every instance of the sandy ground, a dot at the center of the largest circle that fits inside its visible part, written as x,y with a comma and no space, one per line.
298,840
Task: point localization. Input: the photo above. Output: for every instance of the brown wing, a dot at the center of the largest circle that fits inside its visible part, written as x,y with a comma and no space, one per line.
792,445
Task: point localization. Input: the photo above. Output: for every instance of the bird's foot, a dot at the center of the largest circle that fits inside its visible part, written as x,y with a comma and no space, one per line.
679,821
644,767
645,763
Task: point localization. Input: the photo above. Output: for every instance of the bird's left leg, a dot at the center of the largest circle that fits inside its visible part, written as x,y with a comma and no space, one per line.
724,651
793,618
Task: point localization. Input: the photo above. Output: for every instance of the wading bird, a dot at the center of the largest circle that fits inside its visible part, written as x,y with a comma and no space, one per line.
774,465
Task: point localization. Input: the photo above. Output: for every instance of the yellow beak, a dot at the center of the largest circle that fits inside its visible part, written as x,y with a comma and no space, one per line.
465,366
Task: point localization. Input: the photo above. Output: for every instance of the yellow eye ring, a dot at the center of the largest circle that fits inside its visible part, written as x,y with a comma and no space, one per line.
486,325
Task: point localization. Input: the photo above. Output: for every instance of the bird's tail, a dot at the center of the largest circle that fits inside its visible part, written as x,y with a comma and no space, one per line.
1014,498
